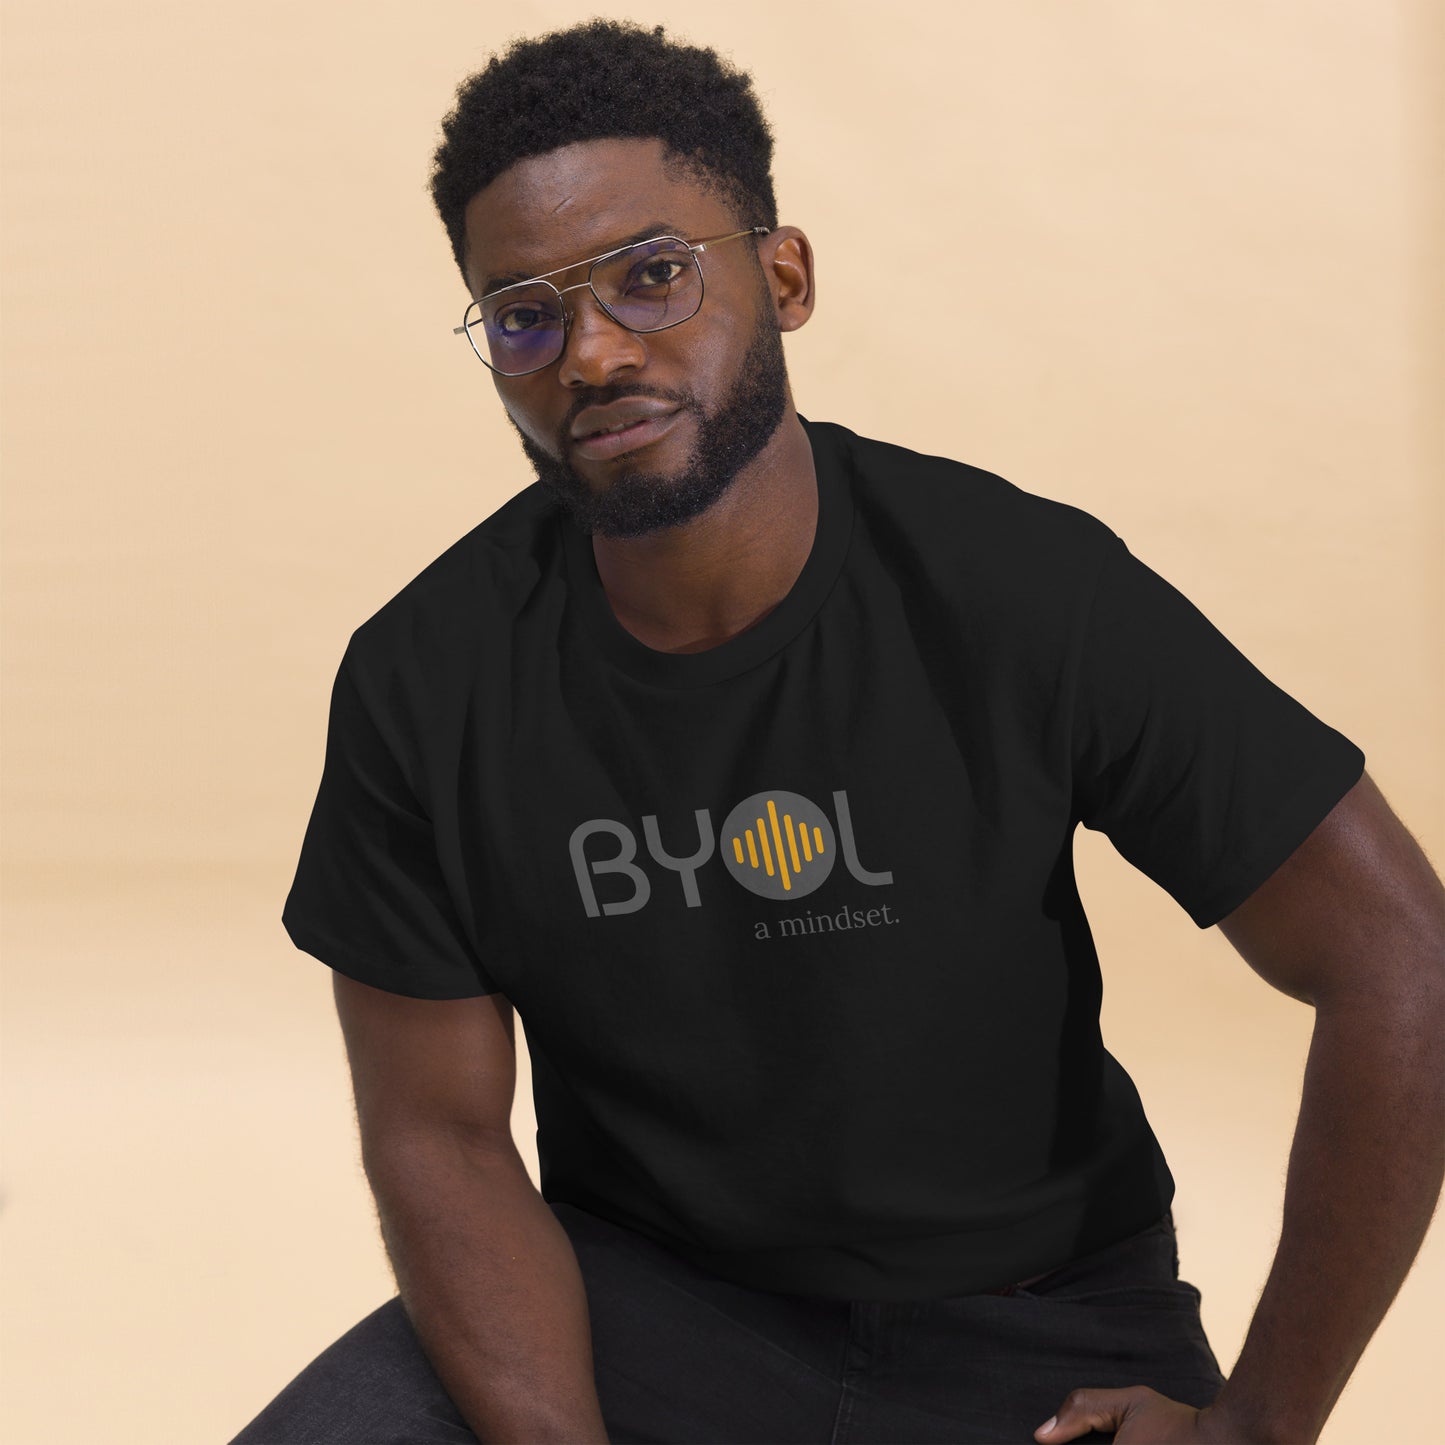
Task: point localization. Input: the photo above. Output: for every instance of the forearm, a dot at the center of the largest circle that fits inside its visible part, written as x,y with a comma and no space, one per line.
491,1284
1365,1171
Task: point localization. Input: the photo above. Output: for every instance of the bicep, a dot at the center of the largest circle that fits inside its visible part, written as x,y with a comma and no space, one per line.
420,1066
1355,910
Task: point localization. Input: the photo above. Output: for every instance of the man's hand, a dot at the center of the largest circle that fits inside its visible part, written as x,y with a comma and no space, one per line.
1140,1416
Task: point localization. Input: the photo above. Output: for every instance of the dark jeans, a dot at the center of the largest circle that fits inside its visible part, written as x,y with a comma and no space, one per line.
683,1356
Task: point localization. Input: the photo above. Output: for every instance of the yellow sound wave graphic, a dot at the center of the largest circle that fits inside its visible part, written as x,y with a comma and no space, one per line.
770,840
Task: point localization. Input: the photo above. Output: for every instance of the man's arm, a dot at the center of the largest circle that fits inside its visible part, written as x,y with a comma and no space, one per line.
487,1275
491,1284
1353,923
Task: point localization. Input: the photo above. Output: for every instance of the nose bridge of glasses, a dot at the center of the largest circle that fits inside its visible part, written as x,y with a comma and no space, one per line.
604,299
580,286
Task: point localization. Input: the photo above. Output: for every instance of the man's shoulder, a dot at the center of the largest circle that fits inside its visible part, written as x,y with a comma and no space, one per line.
952,504
478,580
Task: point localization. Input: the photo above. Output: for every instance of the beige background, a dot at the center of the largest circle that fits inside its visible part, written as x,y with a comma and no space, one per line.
1190,281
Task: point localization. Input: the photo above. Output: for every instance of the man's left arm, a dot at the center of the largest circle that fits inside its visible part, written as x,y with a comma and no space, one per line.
1353,923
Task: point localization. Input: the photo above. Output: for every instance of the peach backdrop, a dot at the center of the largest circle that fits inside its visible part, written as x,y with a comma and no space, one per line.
1193,286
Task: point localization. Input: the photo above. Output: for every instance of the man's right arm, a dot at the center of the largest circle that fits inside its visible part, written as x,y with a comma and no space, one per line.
487,1276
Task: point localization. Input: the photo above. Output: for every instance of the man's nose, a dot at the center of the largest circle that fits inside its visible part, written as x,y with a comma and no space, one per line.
597,346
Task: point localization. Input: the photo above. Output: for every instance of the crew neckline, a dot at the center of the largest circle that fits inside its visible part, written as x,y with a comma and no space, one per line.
832,466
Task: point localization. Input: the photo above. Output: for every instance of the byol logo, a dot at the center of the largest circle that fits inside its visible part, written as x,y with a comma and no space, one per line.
776,844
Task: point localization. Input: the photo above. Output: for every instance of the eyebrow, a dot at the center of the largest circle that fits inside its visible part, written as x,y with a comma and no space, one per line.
657,228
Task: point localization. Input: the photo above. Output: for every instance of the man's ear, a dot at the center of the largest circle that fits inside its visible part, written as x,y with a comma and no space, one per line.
787,258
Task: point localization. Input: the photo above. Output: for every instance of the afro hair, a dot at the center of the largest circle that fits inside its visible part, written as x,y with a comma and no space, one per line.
597,80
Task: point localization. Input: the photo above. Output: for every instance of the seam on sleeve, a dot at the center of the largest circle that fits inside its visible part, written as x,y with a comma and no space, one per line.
397,755
355,963
1076,658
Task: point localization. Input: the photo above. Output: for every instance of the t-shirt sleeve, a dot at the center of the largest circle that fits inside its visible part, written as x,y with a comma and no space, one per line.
1203,773
369,898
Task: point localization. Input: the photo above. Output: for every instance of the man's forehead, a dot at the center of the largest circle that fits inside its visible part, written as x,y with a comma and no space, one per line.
573,203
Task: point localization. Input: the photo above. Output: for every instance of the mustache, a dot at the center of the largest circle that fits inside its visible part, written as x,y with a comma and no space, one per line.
607,395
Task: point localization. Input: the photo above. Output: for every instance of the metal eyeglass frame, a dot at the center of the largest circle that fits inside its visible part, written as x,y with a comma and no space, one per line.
592,262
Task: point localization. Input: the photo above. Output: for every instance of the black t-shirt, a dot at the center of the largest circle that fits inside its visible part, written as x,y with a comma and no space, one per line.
792,923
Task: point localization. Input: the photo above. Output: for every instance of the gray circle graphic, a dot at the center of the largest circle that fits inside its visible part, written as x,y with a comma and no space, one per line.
778,845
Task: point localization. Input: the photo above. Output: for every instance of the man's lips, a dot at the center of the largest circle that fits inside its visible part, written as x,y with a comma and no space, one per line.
605,445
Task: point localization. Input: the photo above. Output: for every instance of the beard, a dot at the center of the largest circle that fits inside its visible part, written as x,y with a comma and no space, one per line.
635,501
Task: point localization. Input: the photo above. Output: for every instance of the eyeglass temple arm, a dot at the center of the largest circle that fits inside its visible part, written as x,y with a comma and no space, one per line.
718,240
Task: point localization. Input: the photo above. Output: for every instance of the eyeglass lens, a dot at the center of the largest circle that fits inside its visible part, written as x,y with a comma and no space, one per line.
647,287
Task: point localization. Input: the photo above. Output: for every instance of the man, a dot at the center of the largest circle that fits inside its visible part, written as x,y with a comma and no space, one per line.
742,754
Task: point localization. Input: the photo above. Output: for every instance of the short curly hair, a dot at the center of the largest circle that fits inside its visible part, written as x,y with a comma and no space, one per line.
596,80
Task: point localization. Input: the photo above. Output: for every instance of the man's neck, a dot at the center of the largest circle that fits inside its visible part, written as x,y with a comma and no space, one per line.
694,587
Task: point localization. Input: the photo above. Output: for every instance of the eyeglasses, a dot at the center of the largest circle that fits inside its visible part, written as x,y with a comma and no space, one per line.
647,286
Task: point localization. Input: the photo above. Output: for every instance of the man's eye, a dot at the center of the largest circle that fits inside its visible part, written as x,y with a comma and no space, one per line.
656,273
520,318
